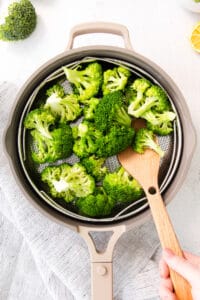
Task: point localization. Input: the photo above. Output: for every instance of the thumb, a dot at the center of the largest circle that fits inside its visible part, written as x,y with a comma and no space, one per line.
182,266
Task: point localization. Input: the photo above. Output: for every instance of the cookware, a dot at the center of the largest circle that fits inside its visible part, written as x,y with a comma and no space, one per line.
178,147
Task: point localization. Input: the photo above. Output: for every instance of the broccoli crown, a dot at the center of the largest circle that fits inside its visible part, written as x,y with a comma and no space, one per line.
41,120
66,108
140,85
97,204
90,108
95,166
160,123
115,79
20,22
57,90
68,182
87,81
111,109
122,187
144,138
116,140
59,146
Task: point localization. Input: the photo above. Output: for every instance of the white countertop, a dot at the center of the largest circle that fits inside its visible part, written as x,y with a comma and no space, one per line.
160,31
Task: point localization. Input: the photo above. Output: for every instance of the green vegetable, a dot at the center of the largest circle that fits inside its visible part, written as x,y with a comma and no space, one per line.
115,79
90,108
20,21
97,204
122,187
144,139
87,81
67,108
95,166
68,182
111,110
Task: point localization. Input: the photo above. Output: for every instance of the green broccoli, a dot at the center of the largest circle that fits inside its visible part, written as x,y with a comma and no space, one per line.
95,167
20,21
68,182
160,123
144,138
67,107
90,108
115,79
122,187
41,120
154,97
111,110
97,204
87,81
140,85
58,146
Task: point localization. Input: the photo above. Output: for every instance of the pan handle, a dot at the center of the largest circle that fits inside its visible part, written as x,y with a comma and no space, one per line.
100,27
101,262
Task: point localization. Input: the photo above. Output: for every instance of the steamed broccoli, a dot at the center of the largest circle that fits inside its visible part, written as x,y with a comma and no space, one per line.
160,123
153,97
67,107
140,85
68,182
144,139
115,79
41,120
58,146
95,166
90,108
122,187
111,110
87,81
20,21
97,204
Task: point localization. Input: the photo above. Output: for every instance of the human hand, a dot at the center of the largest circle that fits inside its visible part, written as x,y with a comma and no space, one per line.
188,267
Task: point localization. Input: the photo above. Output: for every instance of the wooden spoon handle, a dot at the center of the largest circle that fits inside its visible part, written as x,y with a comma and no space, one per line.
169,240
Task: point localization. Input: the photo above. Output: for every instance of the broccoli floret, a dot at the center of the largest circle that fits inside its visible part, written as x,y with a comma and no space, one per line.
86,137
90,108
41,120
67,108
160,123
122,187
58,146
116,140
144,139
96,205
154,97
68,182
95,167
140,85
87,81
20,21
115,79
111,109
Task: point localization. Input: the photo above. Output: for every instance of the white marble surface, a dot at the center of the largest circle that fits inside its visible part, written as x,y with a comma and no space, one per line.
160,31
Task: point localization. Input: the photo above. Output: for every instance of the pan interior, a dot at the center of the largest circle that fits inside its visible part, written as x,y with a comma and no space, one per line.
171,145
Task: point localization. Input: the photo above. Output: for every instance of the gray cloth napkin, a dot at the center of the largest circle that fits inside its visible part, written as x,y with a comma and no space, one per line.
58,257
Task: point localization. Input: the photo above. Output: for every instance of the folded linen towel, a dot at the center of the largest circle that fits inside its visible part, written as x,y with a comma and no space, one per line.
60,255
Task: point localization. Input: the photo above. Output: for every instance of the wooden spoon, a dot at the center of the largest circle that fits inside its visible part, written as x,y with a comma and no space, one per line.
144,168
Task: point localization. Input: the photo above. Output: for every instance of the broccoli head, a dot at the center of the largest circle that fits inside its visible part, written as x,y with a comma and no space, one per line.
86,81
111,109
90,108
144,138
95,166
58,146
115,79
41,120
68,182
140,85
97,204
20,21
67,107
160,123
122,187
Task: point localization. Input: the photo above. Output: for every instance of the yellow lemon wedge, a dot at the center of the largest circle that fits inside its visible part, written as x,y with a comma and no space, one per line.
195,37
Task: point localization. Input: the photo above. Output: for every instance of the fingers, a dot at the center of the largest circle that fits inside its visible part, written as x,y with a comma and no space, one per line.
163,268
166,290
192,258
187,269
